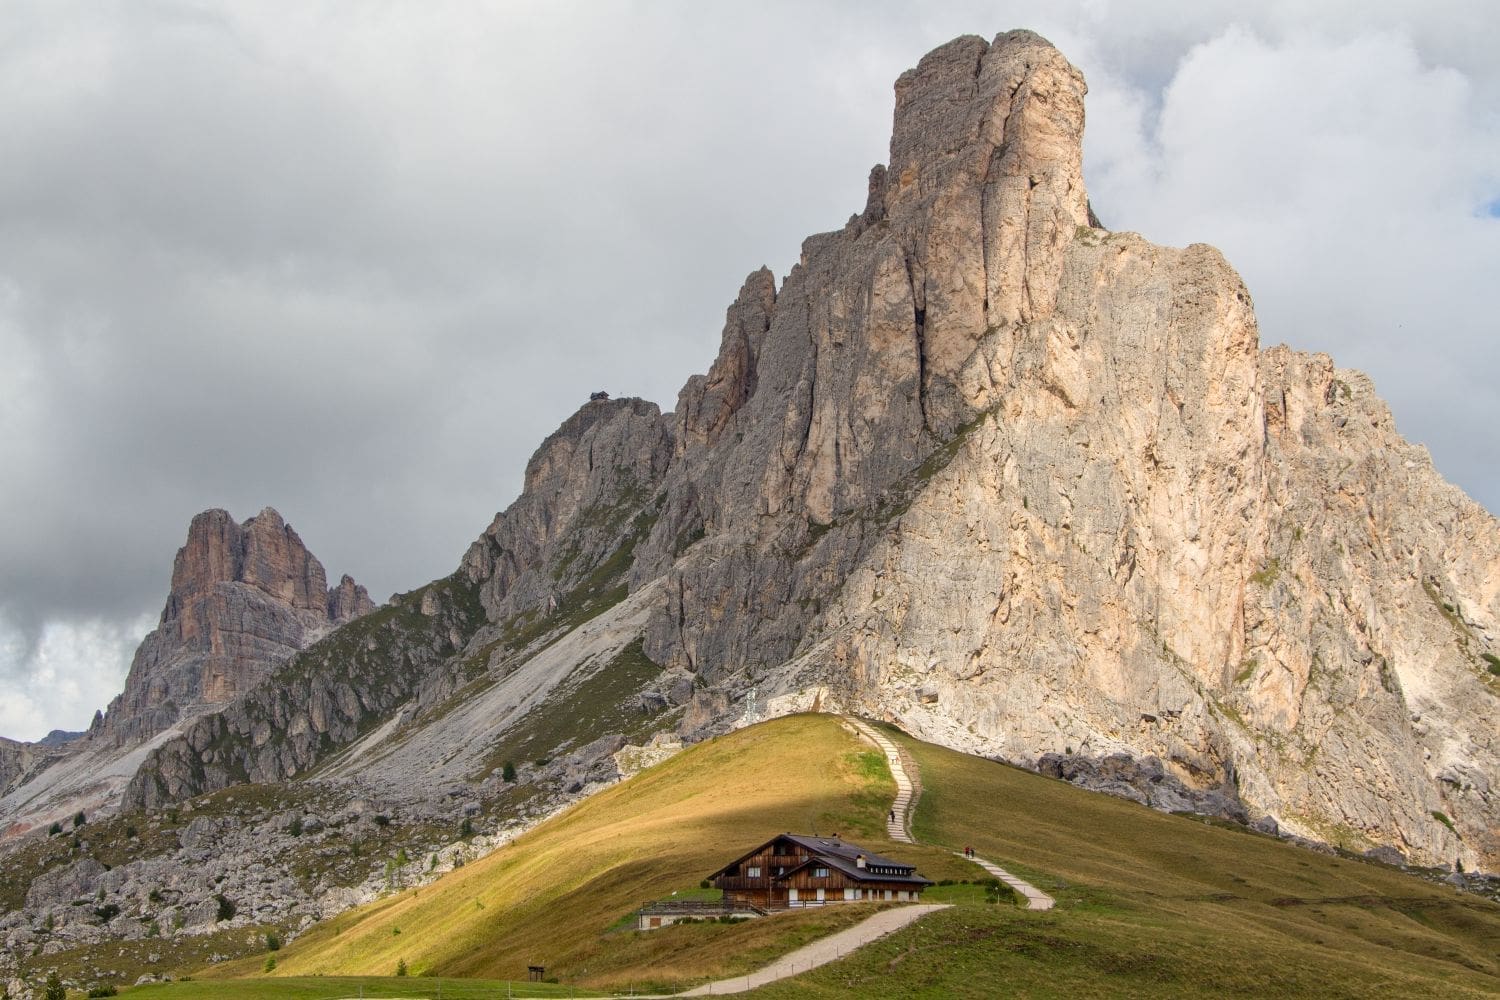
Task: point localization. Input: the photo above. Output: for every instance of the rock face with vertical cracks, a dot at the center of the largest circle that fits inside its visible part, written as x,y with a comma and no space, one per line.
243,599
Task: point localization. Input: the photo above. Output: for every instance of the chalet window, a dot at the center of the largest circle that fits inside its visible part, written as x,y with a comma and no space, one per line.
753,871
820,873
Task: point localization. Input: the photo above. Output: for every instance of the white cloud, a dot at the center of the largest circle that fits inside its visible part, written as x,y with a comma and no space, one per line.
1345,179
71,668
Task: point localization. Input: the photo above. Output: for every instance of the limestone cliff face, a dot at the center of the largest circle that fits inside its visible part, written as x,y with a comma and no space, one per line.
1140,534
1030,487
243,598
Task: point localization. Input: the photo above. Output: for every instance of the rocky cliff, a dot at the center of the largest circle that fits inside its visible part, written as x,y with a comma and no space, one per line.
19,761
243,599
1023,485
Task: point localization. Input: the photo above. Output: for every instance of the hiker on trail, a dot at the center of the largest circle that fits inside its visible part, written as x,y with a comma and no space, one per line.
893,815
968,852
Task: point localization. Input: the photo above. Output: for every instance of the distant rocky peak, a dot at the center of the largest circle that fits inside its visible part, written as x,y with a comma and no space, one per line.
265,552
348,600
244,597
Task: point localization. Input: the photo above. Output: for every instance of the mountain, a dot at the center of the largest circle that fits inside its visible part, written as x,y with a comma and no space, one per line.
1029,488
243,598
1025,486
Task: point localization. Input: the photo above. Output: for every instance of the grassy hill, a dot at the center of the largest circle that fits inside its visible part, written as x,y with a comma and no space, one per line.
553,897
1149,904
1152,905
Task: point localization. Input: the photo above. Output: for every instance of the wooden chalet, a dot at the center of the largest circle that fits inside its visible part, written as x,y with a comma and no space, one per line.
791,870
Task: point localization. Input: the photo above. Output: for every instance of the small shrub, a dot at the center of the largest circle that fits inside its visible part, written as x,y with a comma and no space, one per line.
400,966
79,819
1493,661
1443,819
54,989
273,941
226,907
382,820
54,829
295,826
270,965
103,991
154,896
107,912
466,828
705,884
131,833
509,772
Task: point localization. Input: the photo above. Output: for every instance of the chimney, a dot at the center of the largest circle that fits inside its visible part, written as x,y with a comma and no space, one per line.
859,861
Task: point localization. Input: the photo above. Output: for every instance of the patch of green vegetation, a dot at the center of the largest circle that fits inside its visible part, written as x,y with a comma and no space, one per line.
1267,574
870,764
1447,610
1231,713
341,987
982,892
1493,661
1247,670
1443,819
583,708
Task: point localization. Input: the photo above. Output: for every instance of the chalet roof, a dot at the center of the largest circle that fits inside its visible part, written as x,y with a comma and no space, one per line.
833,852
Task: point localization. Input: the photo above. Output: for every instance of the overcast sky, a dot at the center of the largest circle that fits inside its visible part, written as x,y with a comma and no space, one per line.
354,261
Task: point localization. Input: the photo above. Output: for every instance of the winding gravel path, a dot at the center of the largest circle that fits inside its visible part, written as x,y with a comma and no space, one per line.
820,952
898,821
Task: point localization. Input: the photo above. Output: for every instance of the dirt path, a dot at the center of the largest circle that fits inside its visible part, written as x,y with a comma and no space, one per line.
898,820
820,952
836,946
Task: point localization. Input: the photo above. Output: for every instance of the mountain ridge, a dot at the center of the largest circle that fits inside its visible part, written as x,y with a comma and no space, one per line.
977,466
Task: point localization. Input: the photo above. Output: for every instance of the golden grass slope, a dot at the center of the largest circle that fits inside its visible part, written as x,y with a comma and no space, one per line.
1152,905
550,897
1149,904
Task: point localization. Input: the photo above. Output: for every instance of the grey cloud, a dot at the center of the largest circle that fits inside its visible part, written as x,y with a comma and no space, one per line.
357,265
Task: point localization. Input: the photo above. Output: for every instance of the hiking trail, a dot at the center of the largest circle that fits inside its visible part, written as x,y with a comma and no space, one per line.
898,820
